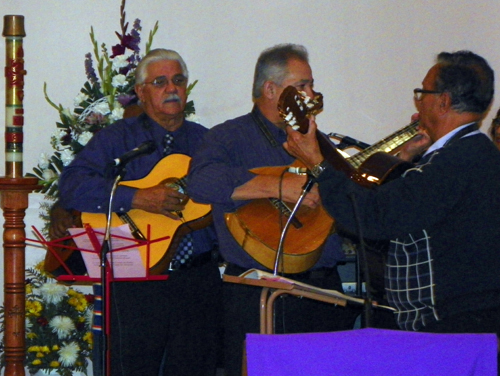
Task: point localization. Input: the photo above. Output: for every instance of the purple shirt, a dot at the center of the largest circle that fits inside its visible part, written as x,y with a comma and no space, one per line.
223,162
85,184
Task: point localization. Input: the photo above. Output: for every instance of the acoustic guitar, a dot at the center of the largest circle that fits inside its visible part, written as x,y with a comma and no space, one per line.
257,227
194,217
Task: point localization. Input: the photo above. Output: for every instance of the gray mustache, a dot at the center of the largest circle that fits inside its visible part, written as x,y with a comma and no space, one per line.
172,98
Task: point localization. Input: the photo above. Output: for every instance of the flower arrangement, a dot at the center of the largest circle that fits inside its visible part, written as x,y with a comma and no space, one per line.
58,325
109,88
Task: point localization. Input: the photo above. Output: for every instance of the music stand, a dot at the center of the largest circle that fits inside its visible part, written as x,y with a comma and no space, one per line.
108,270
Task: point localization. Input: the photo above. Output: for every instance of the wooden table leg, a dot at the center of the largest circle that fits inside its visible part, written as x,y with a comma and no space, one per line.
14,202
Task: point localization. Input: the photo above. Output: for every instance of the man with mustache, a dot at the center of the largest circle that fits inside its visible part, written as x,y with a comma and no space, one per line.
158,327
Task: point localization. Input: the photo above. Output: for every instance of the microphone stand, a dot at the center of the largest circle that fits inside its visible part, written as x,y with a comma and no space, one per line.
279,254
106,268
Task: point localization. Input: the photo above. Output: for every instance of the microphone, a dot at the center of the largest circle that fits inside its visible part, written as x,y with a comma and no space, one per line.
145,148
348,141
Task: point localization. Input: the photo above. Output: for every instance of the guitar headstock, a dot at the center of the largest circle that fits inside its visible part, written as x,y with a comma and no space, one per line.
295,107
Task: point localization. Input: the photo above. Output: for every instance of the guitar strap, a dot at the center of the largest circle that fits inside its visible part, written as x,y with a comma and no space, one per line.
257,118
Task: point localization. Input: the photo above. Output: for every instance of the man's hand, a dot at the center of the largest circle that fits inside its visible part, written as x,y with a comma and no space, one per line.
60,220
417,145
160,199
304,146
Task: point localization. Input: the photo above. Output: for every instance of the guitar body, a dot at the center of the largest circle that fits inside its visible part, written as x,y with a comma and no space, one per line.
257,229
195,215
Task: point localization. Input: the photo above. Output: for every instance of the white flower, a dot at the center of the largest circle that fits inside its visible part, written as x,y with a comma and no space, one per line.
48,175
67,156
102,108
193,118
52,292
62,325
67,112
119,80
84,137
80,98
44,161
119,61
117,113
68,354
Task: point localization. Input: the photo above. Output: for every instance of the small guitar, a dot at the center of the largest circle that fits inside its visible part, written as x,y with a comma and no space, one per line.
194,216
374,165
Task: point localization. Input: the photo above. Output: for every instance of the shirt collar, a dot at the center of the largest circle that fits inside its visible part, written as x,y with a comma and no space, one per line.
443,140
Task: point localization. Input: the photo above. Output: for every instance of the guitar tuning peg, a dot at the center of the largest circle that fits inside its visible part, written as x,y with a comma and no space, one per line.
289,117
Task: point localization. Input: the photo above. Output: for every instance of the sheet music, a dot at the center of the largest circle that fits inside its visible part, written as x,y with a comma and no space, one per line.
125,263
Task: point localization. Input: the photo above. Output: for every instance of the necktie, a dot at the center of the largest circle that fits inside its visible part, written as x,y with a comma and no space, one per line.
184,254
168,144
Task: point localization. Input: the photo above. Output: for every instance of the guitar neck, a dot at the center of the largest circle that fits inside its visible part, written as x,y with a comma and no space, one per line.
386,145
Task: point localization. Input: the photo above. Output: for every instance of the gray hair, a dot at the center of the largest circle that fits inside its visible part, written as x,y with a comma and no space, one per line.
158,54
272,65
468,79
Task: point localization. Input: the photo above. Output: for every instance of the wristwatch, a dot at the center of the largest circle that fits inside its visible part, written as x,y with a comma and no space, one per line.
318,169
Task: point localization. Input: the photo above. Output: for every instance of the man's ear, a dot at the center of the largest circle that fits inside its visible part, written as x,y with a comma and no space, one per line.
138,90
269,89
444,102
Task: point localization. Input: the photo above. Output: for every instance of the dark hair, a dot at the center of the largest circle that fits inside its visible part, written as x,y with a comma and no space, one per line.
272,64
468,79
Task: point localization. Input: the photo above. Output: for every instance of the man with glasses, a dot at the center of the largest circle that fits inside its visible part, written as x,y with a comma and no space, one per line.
442,215
220,176
158,327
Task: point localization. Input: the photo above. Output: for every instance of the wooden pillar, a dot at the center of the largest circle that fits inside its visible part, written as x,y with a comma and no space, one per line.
14,202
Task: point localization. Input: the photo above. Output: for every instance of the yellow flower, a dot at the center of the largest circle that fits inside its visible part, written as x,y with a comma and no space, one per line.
45,349
40,354
55,348
31,335
33,308
87,337
73,301
54,364
33,348
36,362
29,289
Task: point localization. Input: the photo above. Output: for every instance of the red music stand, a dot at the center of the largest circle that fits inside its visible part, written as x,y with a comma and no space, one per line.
96,248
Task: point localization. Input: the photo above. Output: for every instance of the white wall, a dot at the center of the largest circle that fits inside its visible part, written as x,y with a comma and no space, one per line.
367,56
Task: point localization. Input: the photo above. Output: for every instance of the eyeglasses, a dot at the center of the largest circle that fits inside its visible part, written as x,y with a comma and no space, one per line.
162,81
417,93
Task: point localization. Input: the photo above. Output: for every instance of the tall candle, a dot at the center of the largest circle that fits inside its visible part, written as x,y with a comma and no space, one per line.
13,31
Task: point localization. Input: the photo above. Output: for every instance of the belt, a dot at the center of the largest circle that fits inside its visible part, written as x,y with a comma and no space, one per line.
199,260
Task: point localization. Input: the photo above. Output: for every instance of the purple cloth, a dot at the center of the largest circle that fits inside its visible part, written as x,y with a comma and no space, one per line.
372,352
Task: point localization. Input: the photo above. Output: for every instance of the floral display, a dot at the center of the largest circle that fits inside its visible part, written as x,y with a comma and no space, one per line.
58,325
109,88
